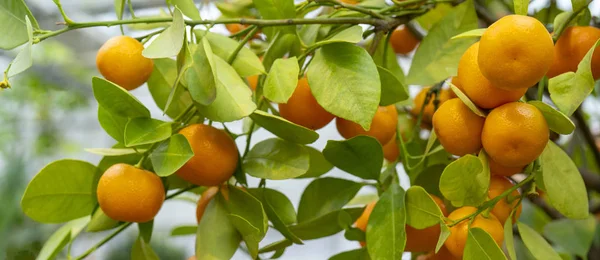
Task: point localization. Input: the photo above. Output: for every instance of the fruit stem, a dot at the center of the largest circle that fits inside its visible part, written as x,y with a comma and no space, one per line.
541,88
237,50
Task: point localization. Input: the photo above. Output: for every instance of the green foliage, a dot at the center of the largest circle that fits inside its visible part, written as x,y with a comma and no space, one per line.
160,85
325,195
14,23
246,62
557,121
386,236
576,236
188,8
61,237
246,213
169,42
171,155
284,128
202,76
282,80
480,245
421,209
142,250
277,159
318,164
521,6
24,59
139,131
116,100
360,156
465,181
536,243
217,236
279,210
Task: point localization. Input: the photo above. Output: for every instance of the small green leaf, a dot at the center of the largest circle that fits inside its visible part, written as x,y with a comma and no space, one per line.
279,209
343,71
201,76
146,229
142,250
114,151
282,80
119,6
470,34
246,62
437,56
318,164
101,222
140,131
276,9
113,125
188,8
169,42
568,90
576,236
564,185
14,23
325,195
23,60
389,62
278,245
386,235
578,4
444,234
108,161
276,159
217,237
421,210
325,225
61,191
283,128
351,35
61,237
183,230
509,240
464,182
160,84
278,48
557,121
481,245
171,155
248,216
234,98
521,6
116,100
356,254
392,89
463,97
361,156
536,244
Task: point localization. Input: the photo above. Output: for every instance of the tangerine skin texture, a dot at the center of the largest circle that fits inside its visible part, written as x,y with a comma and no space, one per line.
500,170
383,126
458,238
363,220
429,109
215,156
302,108
424,240
515,52
572,46
515,134
120,61
478,88
253,81
458,128
205,198
403,40
502,209
126,193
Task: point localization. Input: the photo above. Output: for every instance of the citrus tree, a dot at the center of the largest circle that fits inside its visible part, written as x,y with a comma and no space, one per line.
492,130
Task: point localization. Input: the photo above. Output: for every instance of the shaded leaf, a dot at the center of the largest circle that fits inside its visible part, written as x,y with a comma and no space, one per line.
276,159
464,182
557,121
361,156
169,42
480,245
386,236
140,131
116,100
171,155
325,195
282,80
536,243
283,128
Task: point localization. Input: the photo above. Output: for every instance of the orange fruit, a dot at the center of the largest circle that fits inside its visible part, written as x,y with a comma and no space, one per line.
363,220
126,193
501,170
302,108
403,40
502,209
478,88
205,198
443,254
424,240
383,126
458,238
253,81
515,134
572,46
120,61
215,156
234,28
515,52
457,128
192,258
391,152
429,109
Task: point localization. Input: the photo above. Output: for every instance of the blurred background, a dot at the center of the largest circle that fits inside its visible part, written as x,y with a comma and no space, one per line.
50,113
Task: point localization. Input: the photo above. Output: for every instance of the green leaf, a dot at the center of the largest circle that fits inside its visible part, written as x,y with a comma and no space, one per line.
557,121
318,164
390,62
160,84
246,62
142,250
234,98
350,35
392,89
578,4
576,236
438,55
188,8
480,245
564,185
356,254
61,237
469,34
61,191
116,100
169,42
283,128
248,216
463,97
464,182
282,80
434,15
119,6
201,76
521,6
171,155
421,210
386,236
114,151
361,156
444,234
140,131
276,159
568,90
145,230
108,161
325,195
14,23
278,48
278,245
217,237
509,240
114,125
279,209
101,222
429,179
24,60
536,244
324,226
276,9
184,230
343,71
